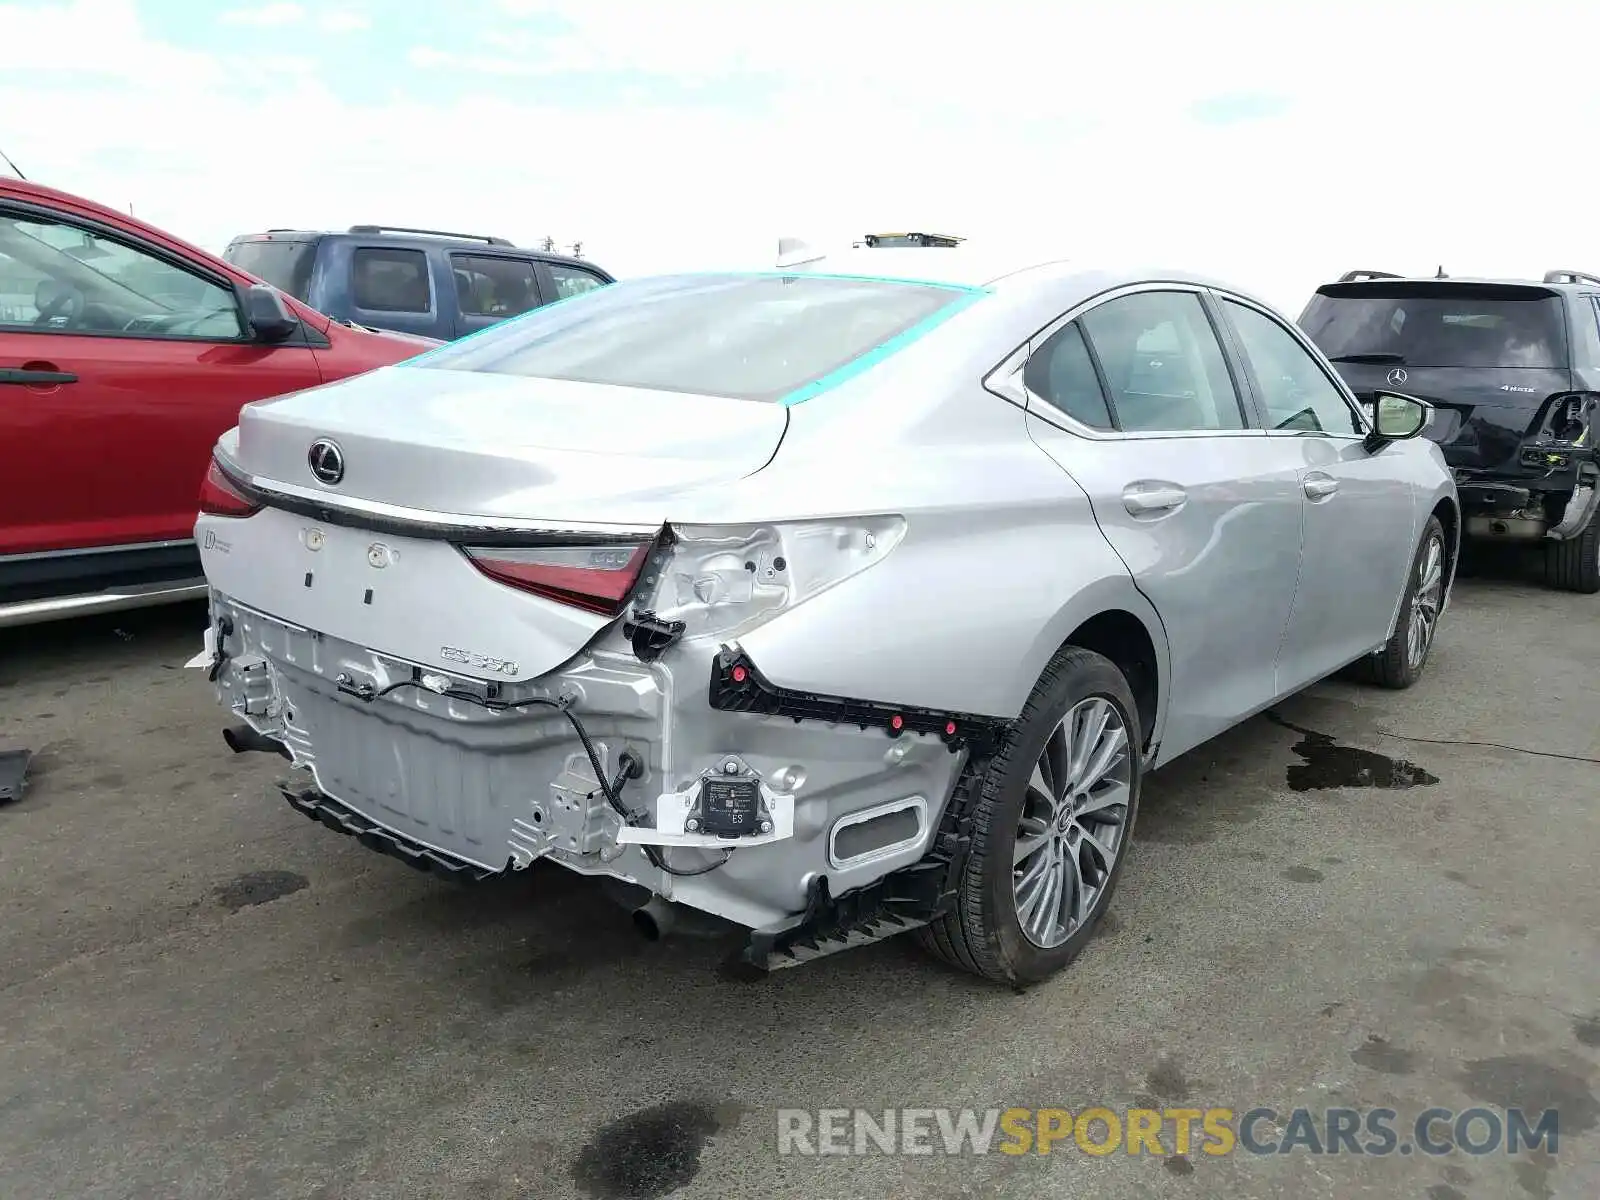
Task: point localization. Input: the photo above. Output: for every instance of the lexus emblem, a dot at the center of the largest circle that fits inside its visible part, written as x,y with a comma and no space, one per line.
326,461
1396,376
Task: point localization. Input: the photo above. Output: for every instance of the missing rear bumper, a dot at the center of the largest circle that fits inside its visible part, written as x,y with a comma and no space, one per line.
341,819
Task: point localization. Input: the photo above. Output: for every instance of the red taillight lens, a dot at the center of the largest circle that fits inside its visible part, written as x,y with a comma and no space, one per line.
219,498
595,578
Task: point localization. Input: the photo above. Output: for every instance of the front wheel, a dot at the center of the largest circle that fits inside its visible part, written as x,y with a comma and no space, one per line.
1050,829
1399,664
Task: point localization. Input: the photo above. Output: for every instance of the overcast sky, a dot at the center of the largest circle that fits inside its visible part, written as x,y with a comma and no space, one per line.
1277,144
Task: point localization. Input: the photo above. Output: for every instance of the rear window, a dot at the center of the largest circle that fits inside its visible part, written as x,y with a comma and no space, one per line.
751,337
285,265
1465,326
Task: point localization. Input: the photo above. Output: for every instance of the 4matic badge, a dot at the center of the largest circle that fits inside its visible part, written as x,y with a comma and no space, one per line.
482,662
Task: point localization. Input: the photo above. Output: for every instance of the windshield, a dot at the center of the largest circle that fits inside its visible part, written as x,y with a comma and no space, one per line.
751,337
286,265
1461,326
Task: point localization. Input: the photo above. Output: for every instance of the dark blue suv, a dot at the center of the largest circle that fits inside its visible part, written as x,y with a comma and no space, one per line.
423,281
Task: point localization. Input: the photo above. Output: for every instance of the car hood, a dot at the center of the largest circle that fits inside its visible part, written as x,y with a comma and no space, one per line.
507,447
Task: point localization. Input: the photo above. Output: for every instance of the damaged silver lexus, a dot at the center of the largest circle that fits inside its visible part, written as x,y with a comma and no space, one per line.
836,601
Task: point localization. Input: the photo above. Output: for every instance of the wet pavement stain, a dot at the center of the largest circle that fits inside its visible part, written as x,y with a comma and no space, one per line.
1379,1055
259,887
1587,1031
1177,1164
1330,765
1303,875
651,1153
1166,1080
1517,1081
1443,1191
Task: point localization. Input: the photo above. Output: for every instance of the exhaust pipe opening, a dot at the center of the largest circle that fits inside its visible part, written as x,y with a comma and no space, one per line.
654,920
241,739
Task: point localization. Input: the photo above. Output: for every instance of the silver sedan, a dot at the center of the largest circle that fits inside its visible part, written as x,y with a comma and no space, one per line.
848,598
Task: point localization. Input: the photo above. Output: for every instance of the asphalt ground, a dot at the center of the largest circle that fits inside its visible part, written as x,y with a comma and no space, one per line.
203,994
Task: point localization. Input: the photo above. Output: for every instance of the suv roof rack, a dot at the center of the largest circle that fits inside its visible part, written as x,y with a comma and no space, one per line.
466,237
1353,276
1570,277
910,239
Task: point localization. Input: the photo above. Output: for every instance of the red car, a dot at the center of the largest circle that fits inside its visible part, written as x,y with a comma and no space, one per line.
124,354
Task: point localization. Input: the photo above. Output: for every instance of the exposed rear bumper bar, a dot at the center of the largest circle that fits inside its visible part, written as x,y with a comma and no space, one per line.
30,612
324,808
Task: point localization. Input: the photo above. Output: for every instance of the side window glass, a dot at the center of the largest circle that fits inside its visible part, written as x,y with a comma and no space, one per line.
493,287
1061,373
1294,390
60,278
389,280
572,281
1163,365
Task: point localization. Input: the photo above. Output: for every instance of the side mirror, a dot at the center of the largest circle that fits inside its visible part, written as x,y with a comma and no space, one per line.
1396,418
267,316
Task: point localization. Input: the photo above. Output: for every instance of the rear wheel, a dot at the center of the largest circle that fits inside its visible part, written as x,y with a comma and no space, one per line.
1574,565
1051,827
1399,664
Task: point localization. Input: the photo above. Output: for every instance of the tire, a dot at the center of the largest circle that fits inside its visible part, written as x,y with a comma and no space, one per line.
983,933
1574,565
1395,666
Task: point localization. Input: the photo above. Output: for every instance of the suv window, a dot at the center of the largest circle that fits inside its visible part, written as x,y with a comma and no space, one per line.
390,280
1294,390
1439,324
286,265
573,281
1061,373
493,287
1162,363
57,277
750,337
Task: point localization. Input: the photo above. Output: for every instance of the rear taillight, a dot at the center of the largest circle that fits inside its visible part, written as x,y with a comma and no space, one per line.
220,498
595,578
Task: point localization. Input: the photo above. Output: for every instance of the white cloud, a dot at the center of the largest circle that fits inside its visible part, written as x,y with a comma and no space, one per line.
1405,134
266,16
343,22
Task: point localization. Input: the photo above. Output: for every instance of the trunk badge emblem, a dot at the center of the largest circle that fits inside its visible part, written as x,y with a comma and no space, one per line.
1396,376
326,461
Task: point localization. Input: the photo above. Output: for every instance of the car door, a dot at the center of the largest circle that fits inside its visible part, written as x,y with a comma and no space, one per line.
121,363
1136,400
492,287
1361,518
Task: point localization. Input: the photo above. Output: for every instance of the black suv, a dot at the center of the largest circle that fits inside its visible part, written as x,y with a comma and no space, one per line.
423,281
1512,369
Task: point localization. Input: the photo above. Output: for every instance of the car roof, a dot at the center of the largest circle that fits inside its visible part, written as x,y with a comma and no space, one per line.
999,267
461,243
1380,282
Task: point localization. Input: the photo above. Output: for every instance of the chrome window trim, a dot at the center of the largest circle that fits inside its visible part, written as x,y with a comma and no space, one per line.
1005,379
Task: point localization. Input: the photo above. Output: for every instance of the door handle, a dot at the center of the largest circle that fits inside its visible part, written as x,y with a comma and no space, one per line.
1141,498
29,378
1319,486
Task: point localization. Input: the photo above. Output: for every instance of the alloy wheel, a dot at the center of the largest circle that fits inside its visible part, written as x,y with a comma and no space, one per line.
1073,823
1425,602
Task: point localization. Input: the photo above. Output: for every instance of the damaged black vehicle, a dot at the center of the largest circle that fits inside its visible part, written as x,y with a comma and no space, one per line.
1513,372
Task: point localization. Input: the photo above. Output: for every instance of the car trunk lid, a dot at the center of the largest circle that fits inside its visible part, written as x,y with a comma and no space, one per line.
1482,415
483,525
506,449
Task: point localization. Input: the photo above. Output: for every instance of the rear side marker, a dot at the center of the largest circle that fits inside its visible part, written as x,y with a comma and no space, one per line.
737,686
